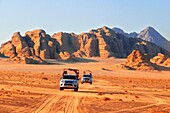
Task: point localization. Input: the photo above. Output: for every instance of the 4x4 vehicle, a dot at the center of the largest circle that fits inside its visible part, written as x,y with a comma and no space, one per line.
87,77
69,81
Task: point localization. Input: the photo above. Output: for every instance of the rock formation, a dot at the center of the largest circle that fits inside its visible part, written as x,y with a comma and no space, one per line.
32,48
42,44
8,49
167,62
139,62
102,42
161,59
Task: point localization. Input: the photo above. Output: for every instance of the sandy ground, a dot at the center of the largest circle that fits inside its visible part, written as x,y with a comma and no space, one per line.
35,89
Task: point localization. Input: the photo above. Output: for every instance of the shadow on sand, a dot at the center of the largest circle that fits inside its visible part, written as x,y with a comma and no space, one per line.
2,56
162,68
70,61
157,67
105,69
100,92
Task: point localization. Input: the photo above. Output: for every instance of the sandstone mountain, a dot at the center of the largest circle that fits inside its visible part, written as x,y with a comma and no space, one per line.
31,48
103,42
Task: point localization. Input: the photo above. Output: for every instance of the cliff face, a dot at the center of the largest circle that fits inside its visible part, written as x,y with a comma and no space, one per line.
102,42
35,45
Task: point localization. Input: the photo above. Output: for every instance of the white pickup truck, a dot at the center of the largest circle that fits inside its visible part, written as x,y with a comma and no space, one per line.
69,81
87,77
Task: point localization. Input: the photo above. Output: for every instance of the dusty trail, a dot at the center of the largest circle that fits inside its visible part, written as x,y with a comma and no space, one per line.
62,101
71,100
71,105
48,104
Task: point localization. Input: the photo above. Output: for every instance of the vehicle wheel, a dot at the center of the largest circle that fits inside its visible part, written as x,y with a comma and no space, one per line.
61,88
76,89
90,82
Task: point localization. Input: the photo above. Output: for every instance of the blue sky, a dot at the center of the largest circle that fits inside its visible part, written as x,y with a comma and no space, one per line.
82,15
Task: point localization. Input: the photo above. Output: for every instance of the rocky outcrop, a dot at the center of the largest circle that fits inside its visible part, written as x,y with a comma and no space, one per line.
65,55
167,62
139,62
68,42
161,59
42,44
21,47
31,48
73,44
102,42
89,44
8,49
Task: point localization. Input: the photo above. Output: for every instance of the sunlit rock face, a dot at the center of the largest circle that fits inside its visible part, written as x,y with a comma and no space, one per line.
102,42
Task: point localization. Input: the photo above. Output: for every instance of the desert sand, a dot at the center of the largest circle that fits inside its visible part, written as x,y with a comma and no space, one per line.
28,88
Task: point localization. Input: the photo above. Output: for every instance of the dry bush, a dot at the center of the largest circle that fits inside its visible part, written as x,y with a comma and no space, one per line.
45,78
100,93
118,99
107,99
125,91
136,96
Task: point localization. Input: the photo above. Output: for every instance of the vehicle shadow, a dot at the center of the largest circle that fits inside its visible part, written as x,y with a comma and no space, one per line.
100,92
163,68
105,69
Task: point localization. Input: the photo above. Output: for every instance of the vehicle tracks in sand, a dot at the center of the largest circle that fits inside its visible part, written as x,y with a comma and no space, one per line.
71,105
60,103
47,106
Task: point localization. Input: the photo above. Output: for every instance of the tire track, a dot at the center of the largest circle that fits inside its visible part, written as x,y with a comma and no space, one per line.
56,101
57,104
47,106
71,105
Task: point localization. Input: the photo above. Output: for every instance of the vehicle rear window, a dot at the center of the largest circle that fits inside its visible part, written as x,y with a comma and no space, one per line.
86,75
69,77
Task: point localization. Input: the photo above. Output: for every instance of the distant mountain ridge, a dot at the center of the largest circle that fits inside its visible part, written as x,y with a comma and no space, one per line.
120,31
148,34
151,35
